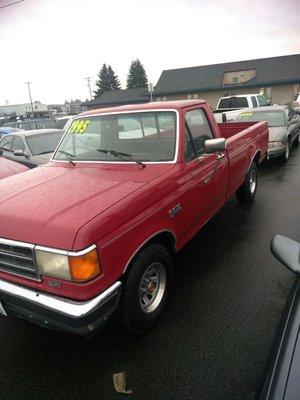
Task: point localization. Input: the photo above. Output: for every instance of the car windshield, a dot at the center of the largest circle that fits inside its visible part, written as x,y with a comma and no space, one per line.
60,123
45,143
143,136
273,118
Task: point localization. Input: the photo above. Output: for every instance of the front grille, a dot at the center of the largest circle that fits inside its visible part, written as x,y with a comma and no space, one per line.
18,259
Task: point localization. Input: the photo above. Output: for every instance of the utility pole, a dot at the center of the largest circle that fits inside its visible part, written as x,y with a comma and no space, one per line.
28,84
89,85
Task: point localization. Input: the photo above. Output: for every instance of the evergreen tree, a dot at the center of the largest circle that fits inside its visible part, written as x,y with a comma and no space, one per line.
107,80
113,79
136,77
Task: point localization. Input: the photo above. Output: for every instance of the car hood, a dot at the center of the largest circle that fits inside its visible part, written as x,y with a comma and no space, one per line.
8,168
49,204
276,133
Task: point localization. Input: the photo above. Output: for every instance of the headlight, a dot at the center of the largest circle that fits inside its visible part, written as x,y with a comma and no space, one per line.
275,144
68,265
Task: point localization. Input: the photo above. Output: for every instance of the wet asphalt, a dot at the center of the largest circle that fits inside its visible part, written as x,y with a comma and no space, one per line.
214,341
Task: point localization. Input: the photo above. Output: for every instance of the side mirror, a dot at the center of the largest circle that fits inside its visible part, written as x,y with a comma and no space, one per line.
19,153
214,145
287,251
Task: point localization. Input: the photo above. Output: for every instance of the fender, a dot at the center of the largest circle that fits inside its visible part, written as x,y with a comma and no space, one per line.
144,244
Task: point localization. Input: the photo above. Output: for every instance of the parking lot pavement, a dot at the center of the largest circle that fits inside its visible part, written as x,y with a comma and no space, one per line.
213,342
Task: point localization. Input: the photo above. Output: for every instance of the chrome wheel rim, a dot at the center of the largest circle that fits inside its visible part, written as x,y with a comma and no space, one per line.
287,151
152,287
253,181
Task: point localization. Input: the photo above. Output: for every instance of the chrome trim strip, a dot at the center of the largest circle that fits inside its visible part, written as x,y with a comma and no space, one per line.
70,308
9,242
145,242
66,252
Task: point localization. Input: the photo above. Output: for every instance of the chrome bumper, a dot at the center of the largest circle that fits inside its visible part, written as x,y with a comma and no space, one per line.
57,312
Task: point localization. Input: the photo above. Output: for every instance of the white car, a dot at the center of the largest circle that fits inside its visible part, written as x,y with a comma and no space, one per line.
230,107
64,122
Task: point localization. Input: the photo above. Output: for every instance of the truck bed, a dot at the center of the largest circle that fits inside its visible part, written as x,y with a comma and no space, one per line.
230,129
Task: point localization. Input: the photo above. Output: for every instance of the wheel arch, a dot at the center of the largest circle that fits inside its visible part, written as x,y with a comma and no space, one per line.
165,237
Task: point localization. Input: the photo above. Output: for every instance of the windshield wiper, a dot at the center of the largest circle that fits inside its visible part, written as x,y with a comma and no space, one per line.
69,155
119,154
45,152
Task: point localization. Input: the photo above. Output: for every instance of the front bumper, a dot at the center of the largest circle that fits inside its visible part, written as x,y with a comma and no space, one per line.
275,152
83,318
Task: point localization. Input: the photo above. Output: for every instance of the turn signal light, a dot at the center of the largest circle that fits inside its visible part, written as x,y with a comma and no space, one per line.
85,267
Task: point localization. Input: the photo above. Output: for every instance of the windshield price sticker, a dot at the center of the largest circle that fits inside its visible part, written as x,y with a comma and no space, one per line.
246,114
79,126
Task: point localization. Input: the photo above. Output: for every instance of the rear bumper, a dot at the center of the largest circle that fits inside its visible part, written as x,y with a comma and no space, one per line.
83,318
276,152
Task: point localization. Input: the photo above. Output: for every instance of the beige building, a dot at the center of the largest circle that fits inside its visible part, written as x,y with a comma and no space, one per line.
278,78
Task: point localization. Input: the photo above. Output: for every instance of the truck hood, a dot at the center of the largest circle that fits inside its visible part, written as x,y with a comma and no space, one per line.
49,204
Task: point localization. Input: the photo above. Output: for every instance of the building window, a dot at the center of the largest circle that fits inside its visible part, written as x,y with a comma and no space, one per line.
235,79
164,98
158,99
189,96
195,96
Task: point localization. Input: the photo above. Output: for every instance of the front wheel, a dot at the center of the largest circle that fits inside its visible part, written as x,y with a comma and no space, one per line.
147,289
247,191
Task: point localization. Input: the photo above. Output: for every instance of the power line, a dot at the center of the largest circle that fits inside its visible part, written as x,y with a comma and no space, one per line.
12,4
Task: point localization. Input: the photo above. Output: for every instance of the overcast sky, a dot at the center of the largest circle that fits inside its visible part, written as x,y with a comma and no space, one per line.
55,44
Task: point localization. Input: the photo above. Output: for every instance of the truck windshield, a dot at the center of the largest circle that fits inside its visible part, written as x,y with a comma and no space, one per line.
144,136
273,118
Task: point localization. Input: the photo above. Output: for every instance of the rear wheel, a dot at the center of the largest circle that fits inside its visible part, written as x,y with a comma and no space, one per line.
147,289
287,152
247,191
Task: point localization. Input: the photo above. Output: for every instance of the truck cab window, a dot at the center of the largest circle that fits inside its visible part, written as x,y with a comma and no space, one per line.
189,153
254,101
198,128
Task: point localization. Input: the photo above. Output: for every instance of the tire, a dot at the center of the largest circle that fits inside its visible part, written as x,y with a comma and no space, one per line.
296,142
287,153
247,191
142,303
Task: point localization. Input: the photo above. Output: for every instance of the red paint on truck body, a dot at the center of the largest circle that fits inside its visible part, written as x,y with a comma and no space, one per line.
119,207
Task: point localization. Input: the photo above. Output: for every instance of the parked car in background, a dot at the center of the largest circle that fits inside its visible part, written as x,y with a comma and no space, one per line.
63,122
30,148
7,130
32,124
281,380
8,168
225,110
284,127
127,187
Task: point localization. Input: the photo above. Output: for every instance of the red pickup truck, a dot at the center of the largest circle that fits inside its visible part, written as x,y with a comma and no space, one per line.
93,233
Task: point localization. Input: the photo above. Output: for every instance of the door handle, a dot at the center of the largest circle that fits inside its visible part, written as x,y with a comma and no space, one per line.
220,156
